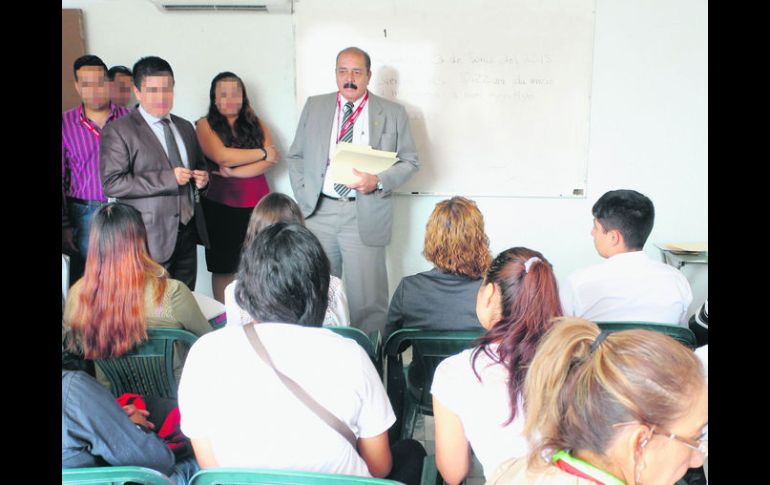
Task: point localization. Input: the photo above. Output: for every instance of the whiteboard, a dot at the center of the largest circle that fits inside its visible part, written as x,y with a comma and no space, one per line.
497,92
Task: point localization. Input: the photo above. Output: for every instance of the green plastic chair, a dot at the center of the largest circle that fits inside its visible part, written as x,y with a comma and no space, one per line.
372,344
113,475
430,474
238,476
409,388
148,368
682,334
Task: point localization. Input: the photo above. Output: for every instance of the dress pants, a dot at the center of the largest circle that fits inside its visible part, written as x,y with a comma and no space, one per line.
361,267
183,264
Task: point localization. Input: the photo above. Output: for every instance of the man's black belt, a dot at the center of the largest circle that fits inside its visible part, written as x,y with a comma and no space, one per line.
343,199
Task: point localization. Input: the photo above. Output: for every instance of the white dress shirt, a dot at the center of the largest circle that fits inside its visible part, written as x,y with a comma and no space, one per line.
156,125
628,287
360,137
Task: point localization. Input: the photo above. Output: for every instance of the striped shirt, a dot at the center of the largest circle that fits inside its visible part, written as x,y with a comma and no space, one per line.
80,154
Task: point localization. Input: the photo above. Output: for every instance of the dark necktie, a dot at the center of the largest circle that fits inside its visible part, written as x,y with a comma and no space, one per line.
342,189
175,158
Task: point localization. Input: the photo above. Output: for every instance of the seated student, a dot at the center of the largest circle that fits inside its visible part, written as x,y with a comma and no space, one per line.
238,413
629,286
95,431
473,391
444,297
624,407
278,207
123,291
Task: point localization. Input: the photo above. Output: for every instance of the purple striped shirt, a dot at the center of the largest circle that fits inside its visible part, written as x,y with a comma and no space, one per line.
80,153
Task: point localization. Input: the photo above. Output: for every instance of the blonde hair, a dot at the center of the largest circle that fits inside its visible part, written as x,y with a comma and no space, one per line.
574,396
455,240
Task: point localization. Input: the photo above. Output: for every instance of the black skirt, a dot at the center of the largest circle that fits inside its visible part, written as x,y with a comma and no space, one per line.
227,228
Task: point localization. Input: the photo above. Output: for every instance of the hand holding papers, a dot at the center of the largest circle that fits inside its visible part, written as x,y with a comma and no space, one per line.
361,157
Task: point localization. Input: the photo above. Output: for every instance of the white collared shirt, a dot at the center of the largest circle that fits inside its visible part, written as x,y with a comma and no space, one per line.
360,137
157,127
628,287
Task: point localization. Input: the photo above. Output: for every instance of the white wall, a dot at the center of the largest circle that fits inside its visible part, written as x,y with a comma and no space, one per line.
649,117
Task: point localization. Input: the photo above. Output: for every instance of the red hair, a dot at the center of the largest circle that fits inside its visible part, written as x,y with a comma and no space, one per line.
529,301
108,318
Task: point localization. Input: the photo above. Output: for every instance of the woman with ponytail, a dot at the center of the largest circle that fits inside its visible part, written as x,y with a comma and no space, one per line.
477,393
627,407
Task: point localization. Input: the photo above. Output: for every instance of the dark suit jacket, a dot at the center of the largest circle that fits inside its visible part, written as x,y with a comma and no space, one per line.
433,300
136,171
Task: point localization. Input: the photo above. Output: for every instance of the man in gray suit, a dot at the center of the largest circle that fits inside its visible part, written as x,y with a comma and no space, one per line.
151,161
353,222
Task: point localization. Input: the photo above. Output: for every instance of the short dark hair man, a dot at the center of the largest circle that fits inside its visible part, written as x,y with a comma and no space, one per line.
353,222
629,286
151,160
121,80
82,126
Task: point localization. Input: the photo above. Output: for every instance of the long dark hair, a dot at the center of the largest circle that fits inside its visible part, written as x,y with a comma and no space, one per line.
529,300
108,317
247,132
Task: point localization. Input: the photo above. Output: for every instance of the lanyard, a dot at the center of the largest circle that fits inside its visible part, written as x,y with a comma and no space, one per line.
577,467
349,123
90,128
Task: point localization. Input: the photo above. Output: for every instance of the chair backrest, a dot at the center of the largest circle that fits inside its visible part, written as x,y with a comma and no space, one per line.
429,348
682,334
237,476
372,346
148,368
113,475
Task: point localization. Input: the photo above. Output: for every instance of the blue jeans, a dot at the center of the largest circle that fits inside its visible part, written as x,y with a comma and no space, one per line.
184,470
80,217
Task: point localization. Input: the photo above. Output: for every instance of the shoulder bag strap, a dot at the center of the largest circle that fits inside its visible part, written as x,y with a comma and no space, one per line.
297,390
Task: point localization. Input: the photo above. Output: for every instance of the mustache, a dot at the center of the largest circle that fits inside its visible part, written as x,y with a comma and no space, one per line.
350,84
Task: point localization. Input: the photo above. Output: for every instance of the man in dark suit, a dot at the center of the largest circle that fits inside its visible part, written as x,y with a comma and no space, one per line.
353,222
151,160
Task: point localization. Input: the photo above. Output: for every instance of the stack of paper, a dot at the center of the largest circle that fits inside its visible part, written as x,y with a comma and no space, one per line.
693,247
361,157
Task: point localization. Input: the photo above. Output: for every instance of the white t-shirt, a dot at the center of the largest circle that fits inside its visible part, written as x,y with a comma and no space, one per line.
229,396
336,312
628,287
482,407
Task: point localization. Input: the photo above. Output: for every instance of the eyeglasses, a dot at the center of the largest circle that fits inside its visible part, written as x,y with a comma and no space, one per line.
700,445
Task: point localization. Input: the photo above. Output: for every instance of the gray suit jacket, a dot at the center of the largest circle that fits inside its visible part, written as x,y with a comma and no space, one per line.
136,171
388,130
